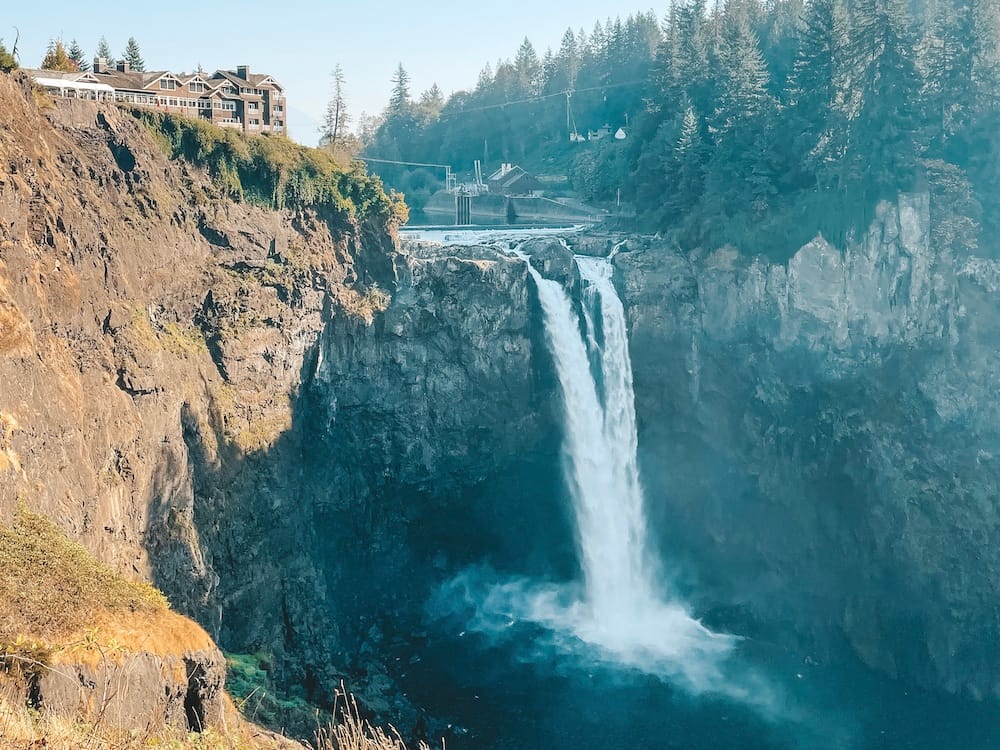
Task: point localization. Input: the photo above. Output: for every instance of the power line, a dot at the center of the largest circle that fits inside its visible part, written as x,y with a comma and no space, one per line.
541,97
403,163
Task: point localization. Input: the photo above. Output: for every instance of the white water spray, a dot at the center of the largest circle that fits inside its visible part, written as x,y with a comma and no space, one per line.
620,613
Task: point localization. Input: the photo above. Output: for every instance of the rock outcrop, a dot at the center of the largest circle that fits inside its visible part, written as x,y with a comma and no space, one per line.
286,423
820,441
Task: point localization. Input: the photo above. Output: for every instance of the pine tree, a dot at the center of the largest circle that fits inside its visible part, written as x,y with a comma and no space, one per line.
689,166
739,180
817,92
949,88
883,133
567,62
132,56
57,59
399,101
78,56
398,132
485,80
529,70
336,119
430,104
743,90
104,51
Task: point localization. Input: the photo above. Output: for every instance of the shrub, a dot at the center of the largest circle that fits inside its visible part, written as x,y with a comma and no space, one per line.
51,587
271,170
7,61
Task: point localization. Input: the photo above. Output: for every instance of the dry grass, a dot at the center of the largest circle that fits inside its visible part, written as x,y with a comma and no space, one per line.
23,728
184,340
51,588
349,731
364,306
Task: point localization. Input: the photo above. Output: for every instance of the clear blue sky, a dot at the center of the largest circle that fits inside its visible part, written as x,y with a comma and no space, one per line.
300,41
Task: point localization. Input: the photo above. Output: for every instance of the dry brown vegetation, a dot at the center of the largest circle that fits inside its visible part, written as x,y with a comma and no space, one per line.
24,729
51,588
349,731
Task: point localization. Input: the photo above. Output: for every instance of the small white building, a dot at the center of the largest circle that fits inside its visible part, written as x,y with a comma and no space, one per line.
81,85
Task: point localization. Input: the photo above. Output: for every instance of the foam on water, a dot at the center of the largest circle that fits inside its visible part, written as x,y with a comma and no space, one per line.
618,614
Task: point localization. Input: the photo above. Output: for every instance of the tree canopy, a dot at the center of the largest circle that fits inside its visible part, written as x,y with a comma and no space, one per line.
56,58
133,56
748,121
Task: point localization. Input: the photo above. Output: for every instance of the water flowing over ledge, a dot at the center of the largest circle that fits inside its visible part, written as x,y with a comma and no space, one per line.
618,615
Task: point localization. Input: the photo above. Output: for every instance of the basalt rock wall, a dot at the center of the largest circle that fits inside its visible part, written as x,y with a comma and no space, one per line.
819,442
287,423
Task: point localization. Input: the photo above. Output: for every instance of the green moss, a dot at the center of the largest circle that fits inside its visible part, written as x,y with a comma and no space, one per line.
249,682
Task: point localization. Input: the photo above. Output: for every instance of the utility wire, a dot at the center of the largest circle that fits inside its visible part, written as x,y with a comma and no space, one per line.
402,163
541,97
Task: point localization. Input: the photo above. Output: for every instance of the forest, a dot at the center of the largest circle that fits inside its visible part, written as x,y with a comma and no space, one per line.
749,123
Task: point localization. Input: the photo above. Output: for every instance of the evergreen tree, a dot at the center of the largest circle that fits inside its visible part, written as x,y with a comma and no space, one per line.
986,51
77,55
740,180
883,133
336,118
817,90
7,60
132,56
397,134
743,92
567,62
399,101
56,58
688,167
529,70
104,50
430,104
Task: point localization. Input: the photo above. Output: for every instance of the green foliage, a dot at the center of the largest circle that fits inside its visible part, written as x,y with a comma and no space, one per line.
336,119
104,50
77,55
7,61
56,58
51,586
249,682
133,56
955,212
273,171
745,119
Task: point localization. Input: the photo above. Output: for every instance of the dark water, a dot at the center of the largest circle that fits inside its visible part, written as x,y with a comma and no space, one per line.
516,693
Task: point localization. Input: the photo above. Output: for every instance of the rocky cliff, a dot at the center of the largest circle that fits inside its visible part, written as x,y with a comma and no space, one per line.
820,442
282,420
295,428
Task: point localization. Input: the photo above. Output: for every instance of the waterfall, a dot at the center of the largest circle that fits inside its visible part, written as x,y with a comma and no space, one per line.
621,612
600,443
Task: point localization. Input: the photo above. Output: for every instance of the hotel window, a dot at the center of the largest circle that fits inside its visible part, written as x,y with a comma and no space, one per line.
168,84
197,87
253,106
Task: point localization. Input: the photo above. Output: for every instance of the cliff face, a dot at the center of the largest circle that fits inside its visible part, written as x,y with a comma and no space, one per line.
278,418
295,428
820,441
